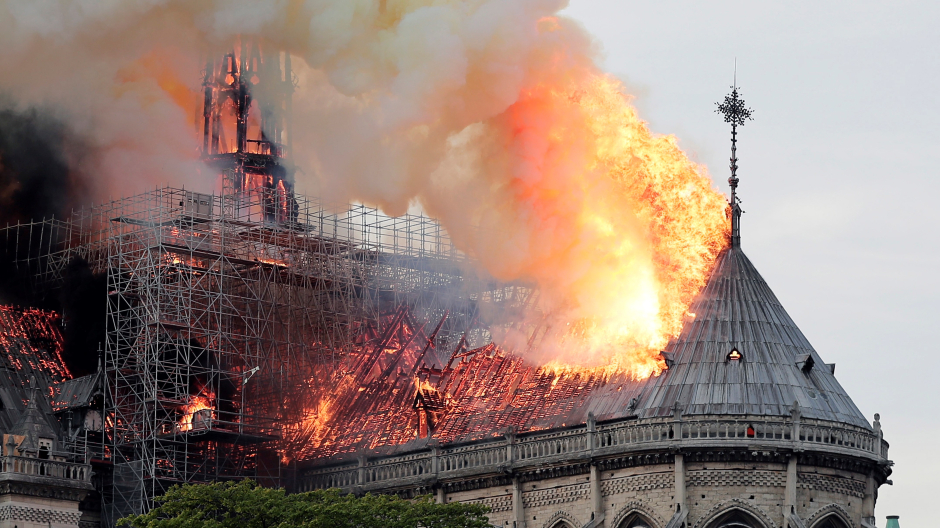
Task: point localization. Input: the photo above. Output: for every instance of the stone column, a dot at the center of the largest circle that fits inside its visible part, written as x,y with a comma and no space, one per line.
518,513
361,473
510,441
868,503
435,459
789,502
597,499
589,430
680,482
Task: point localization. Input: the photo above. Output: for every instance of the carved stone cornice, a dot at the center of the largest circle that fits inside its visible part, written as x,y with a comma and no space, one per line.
46,490
845,463
763,455
634,460
474,484
537,474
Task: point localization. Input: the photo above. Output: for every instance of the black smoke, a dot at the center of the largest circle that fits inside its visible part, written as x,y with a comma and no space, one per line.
40,178
35,183
83,299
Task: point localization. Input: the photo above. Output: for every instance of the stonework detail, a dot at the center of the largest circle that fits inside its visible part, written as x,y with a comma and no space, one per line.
753,478
734,504
637,483
10,512
841,485
558,517
501,503
831,509
637,507
560,495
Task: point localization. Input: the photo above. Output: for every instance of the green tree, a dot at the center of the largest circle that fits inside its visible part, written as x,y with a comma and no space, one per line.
247,505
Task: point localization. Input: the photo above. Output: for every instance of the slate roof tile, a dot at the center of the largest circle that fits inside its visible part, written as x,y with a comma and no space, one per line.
738,309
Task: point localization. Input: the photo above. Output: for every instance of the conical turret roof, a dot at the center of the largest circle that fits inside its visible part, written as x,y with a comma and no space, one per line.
737,311
34,423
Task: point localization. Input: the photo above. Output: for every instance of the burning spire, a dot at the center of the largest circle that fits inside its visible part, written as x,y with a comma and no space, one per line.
246,132
737,113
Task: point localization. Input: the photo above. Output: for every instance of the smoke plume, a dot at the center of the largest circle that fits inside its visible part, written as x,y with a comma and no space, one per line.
38,167
492,115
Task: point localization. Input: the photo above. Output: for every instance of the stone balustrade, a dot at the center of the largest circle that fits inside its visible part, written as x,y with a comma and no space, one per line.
69,472
588,441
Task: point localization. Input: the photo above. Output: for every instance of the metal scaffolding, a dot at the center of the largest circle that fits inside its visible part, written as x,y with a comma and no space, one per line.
222,322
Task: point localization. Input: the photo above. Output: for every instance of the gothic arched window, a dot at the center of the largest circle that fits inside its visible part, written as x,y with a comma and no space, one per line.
635,520
830,521
736,519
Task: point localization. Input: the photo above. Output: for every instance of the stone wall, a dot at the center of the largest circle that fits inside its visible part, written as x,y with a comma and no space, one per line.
650,490
41,493
672,472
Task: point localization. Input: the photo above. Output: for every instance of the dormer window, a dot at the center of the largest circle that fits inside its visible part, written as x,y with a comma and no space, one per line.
45,446
735,355
805,362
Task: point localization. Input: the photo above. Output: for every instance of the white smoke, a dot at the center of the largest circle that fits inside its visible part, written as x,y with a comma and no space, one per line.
398,102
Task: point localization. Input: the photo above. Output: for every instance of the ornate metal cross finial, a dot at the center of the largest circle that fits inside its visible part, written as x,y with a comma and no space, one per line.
735,112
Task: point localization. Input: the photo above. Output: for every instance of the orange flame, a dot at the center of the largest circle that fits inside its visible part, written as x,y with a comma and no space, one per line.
195,405
619,228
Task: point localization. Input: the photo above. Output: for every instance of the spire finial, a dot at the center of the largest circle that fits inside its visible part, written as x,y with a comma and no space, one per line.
736,113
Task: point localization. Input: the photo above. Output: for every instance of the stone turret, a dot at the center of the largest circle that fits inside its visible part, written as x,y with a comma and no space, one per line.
747,428
39,488
35,435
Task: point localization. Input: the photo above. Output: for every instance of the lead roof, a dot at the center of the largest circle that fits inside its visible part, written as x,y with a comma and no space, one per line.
737,309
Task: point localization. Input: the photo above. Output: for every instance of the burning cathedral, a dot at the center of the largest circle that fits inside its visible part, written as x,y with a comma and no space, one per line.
256,333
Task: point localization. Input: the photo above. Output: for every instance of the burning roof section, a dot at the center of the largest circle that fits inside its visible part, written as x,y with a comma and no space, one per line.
77,392
31,345
394,394
387,367
741,354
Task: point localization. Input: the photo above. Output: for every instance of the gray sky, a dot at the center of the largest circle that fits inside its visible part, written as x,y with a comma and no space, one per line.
839,177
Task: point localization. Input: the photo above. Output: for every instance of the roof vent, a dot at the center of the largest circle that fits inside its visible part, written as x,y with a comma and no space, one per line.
805,362
734,355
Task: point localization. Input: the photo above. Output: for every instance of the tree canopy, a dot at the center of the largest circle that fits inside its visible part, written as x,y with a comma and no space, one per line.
246,504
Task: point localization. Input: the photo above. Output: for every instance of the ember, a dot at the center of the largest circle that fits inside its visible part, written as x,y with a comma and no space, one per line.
31,345
385,400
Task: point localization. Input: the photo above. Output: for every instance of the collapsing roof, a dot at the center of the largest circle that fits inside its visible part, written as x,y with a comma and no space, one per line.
741,354
31,347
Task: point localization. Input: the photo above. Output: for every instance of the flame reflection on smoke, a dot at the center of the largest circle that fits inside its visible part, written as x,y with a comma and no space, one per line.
489,114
